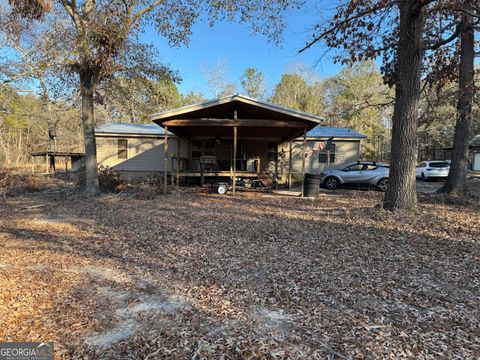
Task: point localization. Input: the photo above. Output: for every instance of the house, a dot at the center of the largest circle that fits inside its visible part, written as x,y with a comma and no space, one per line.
200,141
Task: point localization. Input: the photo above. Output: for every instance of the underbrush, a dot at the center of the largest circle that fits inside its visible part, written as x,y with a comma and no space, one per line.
111,181
16,184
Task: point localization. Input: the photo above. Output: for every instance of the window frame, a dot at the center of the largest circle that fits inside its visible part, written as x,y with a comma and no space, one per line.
272,152
322,154
122,149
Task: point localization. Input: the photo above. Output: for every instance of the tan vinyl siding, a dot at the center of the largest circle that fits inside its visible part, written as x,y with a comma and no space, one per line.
346,152
143,154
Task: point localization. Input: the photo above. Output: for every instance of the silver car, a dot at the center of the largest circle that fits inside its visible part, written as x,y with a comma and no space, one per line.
368,173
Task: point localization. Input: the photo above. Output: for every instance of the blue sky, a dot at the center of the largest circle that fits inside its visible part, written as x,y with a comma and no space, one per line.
238,48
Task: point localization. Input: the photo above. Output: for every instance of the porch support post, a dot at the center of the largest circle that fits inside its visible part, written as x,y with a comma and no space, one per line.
290,164
304,152
179,147
165,163
234,152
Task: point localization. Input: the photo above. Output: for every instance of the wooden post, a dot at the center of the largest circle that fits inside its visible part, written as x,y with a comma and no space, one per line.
165,160
304,152
234,152
290,164
178,162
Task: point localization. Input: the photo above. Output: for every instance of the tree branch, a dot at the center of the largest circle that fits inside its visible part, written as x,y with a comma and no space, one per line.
442,42
343,23
146,10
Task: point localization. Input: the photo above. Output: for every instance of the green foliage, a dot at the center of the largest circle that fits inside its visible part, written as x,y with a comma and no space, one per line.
294,92
357,98
438,115
253,83
193,97
133,100
25,121
436,124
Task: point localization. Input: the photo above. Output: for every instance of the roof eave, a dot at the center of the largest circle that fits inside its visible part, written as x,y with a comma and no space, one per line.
226,99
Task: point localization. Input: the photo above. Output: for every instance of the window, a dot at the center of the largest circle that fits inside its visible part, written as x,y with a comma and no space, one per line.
210,148
122,149
371,167
196,150
355,167
439,165
322,155
272,154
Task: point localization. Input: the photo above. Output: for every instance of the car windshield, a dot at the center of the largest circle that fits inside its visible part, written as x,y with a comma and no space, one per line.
438,164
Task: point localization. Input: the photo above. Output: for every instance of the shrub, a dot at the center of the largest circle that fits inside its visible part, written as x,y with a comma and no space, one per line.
110,180
15,184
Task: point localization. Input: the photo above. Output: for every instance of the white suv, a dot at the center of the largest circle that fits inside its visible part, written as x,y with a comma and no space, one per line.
432,170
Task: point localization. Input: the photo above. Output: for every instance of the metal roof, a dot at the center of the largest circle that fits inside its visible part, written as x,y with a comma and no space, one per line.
126,128
154,129
241,98
336,132
57,153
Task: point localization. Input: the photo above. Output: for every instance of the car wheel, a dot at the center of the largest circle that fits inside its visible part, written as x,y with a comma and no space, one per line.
422,177
383,184
331,183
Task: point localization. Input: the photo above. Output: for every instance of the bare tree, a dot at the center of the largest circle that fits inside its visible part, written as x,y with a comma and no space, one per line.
216,77
457,177
395,30
100,39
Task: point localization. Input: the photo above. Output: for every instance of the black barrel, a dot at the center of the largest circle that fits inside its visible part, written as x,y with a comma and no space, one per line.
311,187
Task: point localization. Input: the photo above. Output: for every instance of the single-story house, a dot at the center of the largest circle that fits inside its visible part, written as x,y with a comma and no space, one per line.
200,140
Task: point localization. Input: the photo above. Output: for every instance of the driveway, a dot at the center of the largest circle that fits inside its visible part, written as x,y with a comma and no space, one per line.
428,187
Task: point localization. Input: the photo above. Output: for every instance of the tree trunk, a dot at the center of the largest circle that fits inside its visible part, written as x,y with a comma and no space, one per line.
87,89
457,177
401,192
19,148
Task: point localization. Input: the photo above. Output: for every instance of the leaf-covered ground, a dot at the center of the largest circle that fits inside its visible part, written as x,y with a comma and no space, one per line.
196,275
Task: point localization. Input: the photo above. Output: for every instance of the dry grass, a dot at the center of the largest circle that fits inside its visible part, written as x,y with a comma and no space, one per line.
199,275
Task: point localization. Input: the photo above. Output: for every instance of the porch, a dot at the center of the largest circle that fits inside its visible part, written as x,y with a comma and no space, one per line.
232,137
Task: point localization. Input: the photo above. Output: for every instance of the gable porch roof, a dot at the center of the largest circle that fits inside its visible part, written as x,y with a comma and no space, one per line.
253,118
